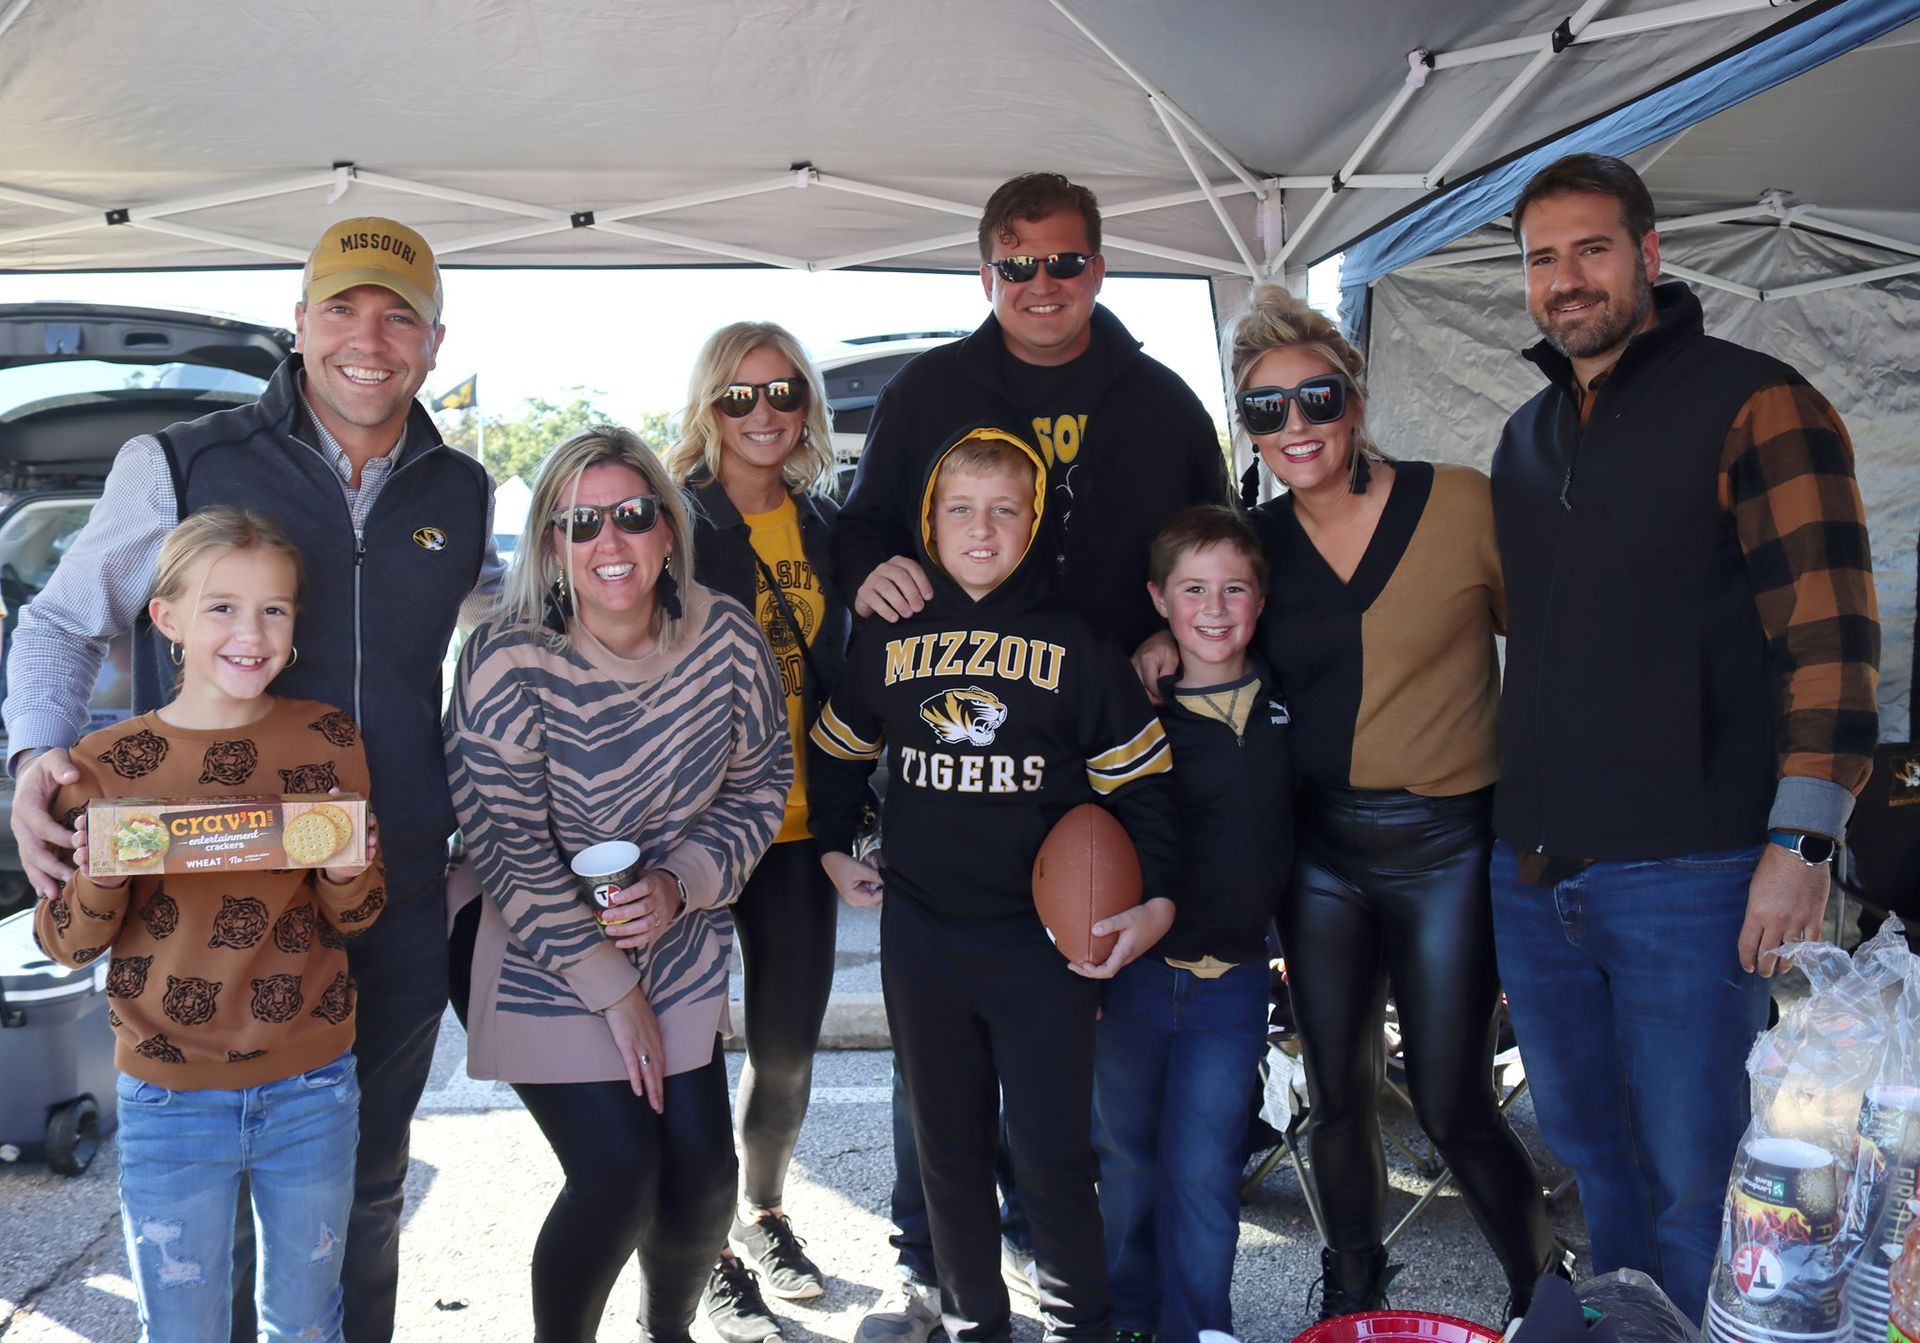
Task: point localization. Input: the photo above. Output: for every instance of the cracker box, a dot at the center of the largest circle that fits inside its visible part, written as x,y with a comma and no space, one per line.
134,836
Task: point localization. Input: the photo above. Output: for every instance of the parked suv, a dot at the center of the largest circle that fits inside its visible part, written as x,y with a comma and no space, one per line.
855,375
76,381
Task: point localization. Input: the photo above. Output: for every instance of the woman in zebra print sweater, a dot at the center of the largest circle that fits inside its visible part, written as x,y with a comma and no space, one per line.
611,697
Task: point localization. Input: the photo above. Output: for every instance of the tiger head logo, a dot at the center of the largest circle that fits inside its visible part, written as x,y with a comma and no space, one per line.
972,715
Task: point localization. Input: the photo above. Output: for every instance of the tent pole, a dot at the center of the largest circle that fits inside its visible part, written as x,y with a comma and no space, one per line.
54,203
284,187
1414,82
1576,23
939,244
1193,166
1857,234
1693,276
1178,113
1843,281
703,245
34,232
439,193
12,12
297,256
880,193
745,189
1626,25
517,233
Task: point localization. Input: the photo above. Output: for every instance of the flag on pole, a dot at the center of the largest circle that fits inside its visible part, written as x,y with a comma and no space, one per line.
464,397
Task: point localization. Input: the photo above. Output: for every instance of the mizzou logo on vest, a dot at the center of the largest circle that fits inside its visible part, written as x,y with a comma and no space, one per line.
975,653
430,538
972,715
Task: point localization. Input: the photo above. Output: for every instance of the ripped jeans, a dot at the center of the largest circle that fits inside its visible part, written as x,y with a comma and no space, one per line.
182,1154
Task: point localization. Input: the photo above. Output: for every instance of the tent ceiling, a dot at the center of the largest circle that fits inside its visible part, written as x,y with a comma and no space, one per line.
488,123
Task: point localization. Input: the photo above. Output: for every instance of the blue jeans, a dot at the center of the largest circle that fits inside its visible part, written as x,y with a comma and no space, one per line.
1635,1019
1175,1060
912,1235
182,1154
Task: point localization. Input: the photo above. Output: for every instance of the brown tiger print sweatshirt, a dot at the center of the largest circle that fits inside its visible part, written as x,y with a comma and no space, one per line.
219,980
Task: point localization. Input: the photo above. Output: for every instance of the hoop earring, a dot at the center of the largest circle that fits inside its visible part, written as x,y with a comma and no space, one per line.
174,653
290,661
669,590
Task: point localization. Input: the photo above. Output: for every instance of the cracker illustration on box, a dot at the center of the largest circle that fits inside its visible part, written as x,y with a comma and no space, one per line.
134,836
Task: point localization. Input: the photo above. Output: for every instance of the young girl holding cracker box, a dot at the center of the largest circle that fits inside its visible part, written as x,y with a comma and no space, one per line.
232,1004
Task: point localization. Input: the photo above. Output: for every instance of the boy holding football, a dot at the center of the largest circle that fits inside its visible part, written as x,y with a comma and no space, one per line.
999,710
1182,1030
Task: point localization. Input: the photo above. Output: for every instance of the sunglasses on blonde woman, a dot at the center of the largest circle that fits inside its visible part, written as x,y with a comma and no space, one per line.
737,399
582,522
1322,400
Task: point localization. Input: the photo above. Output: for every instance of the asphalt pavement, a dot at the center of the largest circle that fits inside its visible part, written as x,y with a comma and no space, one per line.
483,1177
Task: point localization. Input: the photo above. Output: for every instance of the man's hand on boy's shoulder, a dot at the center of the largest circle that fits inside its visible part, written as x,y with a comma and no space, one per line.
860,884
896,589
1154,661
1140,928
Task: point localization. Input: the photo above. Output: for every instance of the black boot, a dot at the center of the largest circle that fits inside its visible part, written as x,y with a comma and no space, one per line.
1559,1264
1354,1280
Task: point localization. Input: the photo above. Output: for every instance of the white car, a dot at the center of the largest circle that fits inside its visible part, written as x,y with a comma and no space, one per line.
854,372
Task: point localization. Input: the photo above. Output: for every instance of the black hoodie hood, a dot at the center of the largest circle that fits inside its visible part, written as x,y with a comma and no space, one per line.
1027,582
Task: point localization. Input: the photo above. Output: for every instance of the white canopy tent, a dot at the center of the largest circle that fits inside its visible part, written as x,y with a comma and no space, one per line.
1224,137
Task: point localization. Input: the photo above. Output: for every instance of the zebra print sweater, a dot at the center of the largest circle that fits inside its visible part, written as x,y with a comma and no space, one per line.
684,753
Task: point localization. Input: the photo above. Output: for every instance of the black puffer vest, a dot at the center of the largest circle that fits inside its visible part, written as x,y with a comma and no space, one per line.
381,605
1637,719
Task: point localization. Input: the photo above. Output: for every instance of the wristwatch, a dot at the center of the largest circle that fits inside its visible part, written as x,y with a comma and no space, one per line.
1813,850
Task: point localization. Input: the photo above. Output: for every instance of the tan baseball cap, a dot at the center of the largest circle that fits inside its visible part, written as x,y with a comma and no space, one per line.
372,250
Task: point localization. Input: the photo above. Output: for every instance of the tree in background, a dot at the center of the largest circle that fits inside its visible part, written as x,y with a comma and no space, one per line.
516,447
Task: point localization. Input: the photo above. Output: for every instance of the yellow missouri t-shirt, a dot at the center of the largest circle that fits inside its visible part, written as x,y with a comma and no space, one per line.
776,539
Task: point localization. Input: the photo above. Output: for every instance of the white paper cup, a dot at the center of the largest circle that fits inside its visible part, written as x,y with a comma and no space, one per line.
606,869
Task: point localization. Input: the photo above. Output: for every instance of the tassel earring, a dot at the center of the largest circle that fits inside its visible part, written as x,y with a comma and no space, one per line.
1359,473
668,589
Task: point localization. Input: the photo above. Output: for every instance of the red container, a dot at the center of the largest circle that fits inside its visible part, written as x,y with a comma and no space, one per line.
1392,1326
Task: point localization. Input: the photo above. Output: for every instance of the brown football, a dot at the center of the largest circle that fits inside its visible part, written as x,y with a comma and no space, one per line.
1085,871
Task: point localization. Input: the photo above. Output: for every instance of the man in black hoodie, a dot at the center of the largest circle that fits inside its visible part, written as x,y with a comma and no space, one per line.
1127,445
1126,442
999,709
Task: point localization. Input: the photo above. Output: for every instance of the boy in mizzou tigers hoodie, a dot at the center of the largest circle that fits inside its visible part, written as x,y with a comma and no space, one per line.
230,996
999,709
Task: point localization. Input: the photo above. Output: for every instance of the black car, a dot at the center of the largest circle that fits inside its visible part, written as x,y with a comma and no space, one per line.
77,380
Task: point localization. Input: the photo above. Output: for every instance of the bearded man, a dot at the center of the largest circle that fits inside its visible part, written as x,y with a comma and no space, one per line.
1687,717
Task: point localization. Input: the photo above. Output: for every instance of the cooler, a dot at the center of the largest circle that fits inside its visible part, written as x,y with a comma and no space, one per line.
56,1054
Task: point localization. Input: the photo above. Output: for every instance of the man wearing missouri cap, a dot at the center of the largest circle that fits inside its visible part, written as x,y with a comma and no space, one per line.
339,452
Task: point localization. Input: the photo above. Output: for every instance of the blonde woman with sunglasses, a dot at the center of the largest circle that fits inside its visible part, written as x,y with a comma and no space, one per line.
755,456
611,697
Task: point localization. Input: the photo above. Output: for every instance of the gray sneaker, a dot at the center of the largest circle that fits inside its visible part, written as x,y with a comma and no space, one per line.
768,1246
733,1305
911,1314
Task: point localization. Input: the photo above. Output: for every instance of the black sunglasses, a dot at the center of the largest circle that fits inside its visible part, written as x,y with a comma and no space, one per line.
737,399
633,516
1263,410
1060,265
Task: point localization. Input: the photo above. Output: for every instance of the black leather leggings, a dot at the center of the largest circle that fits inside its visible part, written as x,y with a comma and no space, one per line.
785,919
659,1184
1390,889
